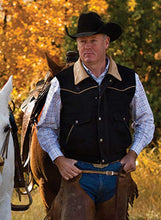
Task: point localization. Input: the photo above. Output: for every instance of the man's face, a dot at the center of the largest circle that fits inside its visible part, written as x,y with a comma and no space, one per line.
92,49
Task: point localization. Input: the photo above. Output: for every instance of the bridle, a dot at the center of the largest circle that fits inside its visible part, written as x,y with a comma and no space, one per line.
3,156
4,149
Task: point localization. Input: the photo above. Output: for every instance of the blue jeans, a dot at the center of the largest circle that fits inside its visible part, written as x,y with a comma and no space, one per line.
99,187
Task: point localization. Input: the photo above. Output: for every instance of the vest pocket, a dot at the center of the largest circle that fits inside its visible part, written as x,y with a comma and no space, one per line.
122,120
76,128
79,136
69,133
120,137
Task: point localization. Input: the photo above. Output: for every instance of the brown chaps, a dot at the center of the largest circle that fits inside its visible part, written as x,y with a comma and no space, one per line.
72,202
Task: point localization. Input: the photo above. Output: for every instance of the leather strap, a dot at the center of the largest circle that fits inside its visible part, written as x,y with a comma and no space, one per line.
4,150
108,173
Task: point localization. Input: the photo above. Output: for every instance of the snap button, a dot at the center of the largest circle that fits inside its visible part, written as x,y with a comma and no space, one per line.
99,118
101,139
76,121
103,161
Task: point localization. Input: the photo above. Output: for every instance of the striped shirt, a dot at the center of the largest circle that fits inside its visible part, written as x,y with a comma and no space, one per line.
48,126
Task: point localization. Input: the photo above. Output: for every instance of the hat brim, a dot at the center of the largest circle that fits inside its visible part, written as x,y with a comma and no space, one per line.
111,29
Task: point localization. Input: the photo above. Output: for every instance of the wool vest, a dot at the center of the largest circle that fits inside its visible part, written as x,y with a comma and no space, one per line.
94,120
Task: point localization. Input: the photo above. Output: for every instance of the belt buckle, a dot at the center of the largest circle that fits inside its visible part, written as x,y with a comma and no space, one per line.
100,165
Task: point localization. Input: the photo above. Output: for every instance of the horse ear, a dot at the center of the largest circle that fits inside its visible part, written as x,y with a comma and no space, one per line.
54,68
7,89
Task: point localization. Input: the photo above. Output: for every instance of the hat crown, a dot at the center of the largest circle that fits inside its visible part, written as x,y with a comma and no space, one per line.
89,22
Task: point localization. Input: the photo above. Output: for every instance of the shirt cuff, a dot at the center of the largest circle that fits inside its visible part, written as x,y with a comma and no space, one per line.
137,149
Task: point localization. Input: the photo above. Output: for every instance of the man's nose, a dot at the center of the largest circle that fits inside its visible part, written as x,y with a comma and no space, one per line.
88,44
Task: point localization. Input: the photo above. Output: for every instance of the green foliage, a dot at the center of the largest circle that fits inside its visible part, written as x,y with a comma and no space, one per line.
139,44
70,44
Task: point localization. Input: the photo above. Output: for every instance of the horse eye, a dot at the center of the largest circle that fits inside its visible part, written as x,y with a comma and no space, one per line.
6,128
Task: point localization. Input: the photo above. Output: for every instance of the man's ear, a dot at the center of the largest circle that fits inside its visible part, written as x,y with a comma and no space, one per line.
107,41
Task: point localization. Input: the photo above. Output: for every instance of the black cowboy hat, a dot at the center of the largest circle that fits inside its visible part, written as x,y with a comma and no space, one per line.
91,23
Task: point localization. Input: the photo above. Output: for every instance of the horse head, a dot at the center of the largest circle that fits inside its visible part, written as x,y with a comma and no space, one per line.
6,153
4,116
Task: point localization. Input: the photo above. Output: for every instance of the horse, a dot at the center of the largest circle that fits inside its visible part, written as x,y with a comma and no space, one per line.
45,173
54,189
6,153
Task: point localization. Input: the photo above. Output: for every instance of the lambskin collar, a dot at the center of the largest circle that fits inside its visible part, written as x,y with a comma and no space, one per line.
80,74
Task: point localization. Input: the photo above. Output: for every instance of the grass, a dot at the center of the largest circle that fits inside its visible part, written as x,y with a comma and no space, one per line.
148,179
146,207
36,210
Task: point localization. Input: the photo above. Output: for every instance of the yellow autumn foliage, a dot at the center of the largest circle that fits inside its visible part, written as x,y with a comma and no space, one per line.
29,29
150,160
131,5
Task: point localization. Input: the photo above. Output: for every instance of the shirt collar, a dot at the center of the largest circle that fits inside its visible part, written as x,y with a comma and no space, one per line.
101,77
80,72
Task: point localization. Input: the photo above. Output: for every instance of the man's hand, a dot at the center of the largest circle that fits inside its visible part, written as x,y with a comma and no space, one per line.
66,167
128,161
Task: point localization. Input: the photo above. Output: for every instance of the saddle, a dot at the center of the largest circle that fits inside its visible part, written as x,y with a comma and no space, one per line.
32,107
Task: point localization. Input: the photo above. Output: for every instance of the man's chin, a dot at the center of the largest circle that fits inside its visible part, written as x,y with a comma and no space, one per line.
88,60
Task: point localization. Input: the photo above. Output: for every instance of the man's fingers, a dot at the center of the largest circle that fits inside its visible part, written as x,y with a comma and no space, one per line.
69,175
129,168
67,168
76,170
70,172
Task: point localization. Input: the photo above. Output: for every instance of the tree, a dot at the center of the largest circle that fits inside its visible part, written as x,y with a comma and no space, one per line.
30,28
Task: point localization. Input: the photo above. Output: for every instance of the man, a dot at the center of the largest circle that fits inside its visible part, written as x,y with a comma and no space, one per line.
85,121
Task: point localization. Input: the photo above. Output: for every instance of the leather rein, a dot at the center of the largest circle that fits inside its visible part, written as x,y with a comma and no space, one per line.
4,149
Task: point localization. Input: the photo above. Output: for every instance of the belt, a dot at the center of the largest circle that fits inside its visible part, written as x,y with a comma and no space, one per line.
108,173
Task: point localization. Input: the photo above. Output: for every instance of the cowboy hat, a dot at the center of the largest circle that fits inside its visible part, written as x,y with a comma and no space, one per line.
91,23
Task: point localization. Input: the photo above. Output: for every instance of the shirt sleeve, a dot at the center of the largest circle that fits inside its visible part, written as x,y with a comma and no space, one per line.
143,120
48,126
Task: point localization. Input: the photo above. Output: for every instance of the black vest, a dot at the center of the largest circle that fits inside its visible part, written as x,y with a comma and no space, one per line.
94,120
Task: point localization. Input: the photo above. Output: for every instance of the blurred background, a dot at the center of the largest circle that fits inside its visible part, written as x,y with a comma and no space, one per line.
31,28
